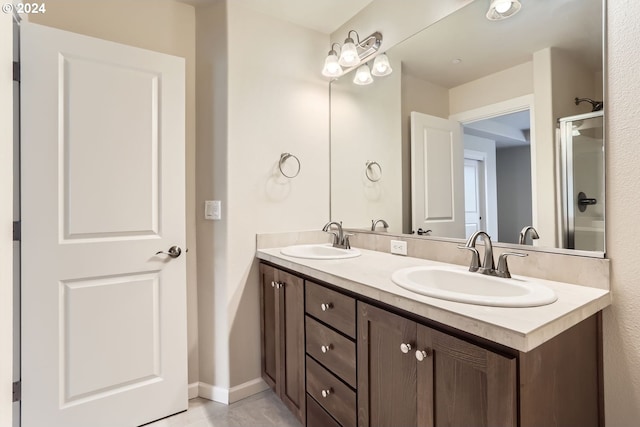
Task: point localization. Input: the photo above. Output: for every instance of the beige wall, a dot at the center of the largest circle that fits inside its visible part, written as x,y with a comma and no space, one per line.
211,183
497,87
6,218
622,320
163,26
275,101
355,199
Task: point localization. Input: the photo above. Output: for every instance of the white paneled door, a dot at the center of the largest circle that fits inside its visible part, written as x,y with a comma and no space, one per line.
102,164
437,175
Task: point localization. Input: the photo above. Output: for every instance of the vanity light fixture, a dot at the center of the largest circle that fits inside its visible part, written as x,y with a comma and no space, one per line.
502,9
352,53
332,67
363,75
381,66
349,54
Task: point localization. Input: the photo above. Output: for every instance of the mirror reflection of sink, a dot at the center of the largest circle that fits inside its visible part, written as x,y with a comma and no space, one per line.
319,251
460,285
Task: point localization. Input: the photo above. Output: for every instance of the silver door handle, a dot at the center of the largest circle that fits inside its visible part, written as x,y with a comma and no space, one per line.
173,252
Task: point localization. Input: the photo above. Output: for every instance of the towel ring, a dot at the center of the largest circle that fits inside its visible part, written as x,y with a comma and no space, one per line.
283,158
369,171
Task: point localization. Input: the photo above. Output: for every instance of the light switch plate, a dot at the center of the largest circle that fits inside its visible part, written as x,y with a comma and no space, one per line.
398,247
212,209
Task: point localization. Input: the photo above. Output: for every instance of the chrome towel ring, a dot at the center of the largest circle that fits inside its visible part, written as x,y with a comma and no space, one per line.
373,171
283,158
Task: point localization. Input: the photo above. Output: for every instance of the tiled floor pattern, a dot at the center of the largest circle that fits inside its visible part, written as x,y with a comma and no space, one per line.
263,409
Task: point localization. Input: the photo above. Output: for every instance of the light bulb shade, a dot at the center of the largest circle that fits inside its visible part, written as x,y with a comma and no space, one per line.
349,54
363,75
381,66
501,9
331,66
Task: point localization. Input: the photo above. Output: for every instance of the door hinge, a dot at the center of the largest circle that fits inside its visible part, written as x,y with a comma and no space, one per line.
16,71
17,391
17,231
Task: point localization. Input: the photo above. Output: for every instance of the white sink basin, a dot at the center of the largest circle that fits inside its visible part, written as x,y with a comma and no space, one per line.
319,251
460,285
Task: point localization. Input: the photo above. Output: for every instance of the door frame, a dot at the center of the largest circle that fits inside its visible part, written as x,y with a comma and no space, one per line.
514,105
6,217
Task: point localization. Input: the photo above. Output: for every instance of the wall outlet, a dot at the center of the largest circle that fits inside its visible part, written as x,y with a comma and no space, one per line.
398,247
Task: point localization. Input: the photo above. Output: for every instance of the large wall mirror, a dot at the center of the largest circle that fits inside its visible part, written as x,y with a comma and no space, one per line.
492,125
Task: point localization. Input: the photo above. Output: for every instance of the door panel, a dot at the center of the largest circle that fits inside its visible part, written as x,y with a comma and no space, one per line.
468,385
269,324
104,315
437,176
386,375
292,342
94,136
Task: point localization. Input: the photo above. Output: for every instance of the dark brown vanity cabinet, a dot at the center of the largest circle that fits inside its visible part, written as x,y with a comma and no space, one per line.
282,327
412,375
372,365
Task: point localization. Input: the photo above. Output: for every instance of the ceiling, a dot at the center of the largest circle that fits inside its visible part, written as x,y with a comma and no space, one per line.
324,16
485,47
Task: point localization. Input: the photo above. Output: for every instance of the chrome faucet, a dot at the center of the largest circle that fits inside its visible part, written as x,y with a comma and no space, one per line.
528,230
374,223
487,266
340,239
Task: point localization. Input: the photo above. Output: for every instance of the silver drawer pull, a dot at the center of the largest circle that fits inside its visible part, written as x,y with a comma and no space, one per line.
273,284
326,348
423,354
405,348
327,392
326,306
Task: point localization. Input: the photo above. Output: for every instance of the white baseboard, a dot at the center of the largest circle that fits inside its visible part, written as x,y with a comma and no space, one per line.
227,396
193,390
247,389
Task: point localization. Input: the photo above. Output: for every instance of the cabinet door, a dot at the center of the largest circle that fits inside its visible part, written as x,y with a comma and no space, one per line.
291,334
269,321
467,384
386,375
282,332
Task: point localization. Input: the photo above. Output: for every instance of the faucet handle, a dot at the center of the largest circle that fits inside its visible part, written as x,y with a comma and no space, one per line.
347,243
475,257
503,267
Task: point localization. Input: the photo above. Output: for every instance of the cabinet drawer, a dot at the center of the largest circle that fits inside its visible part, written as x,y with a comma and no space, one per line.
341,400
318,417
331,307
339,354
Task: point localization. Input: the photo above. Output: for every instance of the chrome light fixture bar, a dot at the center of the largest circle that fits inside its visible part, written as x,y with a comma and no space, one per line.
352,53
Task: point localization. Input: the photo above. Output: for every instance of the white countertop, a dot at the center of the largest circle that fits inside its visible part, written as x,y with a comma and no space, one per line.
519,328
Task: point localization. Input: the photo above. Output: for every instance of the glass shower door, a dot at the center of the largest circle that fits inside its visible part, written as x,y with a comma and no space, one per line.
582,168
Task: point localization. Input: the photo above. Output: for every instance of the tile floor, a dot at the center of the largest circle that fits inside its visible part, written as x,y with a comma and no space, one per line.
262,409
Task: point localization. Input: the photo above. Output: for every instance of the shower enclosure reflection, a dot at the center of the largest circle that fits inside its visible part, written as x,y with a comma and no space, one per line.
582,163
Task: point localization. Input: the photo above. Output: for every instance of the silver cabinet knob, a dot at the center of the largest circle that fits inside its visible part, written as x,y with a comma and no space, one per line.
405,348
326,306
273,284
326,392
326,348
423,354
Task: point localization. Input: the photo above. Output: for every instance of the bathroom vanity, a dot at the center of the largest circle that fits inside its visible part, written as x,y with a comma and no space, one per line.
344,346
